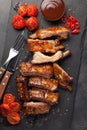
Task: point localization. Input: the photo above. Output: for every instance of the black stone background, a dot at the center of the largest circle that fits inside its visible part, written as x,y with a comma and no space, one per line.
62,116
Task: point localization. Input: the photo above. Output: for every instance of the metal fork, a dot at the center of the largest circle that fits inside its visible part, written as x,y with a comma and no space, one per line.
14,51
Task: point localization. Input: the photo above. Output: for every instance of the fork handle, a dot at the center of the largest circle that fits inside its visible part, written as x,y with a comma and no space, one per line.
2,71
4,82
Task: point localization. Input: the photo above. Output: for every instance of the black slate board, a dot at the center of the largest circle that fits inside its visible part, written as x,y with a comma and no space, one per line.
60,116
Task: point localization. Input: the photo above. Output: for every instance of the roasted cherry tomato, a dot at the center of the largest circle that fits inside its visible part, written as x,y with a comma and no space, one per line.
5,109
32,23
18,22
8,98
15,107
22,10
13,118
32,10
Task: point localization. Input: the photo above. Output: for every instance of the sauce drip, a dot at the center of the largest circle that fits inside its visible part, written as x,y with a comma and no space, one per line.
52,9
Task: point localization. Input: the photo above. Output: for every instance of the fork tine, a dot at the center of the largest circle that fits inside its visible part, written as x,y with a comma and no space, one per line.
19,44
18,39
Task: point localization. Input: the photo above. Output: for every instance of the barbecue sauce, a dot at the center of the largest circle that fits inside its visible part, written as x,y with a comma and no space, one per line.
52,10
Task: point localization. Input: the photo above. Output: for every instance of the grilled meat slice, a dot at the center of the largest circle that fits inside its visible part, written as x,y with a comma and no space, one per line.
44,96
63,78
39,58
21,83
60,32
35,108
46,46
28,69
40,82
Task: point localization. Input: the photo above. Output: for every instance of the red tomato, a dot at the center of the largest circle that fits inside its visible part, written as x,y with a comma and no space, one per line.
8,98
22,10
75,31
5,109
15,107
32,10
77,25
72,23
13,118
18,22
32,23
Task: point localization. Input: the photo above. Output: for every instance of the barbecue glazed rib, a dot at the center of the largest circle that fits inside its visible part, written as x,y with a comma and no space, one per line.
21,84
28,69
63,78
34,94
59,32
46,46
39,58
35,108
44,96
40,82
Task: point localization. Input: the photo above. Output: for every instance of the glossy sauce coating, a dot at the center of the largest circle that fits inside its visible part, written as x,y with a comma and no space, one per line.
52,10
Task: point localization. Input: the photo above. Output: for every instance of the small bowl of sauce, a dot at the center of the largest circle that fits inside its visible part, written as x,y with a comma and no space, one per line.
52,10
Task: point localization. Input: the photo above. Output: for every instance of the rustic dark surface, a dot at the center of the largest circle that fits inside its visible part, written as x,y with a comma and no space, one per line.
4,14
62,116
